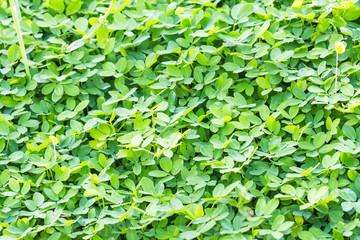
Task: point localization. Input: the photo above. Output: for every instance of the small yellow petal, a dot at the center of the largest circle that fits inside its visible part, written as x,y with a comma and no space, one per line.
340,47
54,140
95,179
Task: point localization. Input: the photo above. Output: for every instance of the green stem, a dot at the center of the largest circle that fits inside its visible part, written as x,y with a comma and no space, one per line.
55,157
336,71
16,19
102,19
88,37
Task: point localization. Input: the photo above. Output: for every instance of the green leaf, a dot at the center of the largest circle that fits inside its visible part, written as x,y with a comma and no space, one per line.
339,21
323,25
270,123
263,83
189,235
297,4
349,131
57,5
57,93
319,139
150,60
271,206
304,235
14,185
102,160
57,187
38,199
288,189
166,164
147,185
4,177
81,106
157,174
351,12
91,192
240,12
71,90
75,125
114,180
13,53
102,34
73,7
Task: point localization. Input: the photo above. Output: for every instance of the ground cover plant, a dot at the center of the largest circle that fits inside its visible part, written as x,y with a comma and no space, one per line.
179,119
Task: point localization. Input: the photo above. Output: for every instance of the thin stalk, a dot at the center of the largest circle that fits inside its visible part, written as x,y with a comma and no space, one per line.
16,19
336,71
102,20
55,157
75,45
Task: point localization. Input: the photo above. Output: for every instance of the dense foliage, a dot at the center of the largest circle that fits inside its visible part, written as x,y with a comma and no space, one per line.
179,119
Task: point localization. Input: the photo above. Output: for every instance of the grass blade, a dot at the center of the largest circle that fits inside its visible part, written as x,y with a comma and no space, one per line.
16,19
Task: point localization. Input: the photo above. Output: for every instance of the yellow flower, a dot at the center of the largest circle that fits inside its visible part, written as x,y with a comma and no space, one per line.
95,179
340,47
54,140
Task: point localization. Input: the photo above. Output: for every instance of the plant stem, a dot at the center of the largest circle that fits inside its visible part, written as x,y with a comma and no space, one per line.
102,20
16,19
336,71
55,157
86,38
